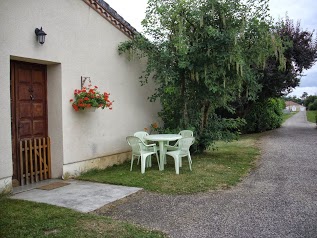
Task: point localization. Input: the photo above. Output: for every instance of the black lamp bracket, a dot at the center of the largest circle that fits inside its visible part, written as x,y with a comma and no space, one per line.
37,30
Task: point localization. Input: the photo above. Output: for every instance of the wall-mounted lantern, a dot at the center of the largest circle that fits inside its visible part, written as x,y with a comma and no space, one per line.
40,34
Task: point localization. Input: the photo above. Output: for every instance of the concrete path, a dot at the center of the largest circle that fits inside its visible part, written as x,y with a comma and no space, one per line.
279,198
78,195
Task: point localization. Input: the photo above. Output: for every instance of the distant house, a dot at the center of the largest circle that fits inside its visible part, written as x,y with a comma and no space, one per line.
294,107
82,40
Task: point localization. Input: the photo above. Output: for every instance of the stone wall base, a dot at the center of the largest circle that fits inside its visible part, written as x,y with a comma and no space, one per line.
75,169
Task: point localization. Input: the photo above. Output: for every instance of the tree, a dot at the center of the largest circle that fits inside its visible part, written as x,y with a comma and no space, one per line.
309,101
300,53
279,76
304,95
293,99
204,56
313,105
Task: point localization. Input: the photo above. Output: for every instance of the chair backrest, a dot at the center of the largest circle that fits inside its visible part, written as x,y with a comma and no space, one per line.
135,144
141,135
186,133
185,143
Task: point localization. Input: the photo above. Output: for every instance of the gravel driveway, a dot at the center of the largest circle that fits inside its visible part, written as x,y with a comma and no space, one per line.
278,199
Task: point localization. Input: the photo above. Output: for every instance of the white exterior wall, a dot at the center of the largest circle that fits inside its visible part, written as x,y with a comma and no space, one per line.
79,42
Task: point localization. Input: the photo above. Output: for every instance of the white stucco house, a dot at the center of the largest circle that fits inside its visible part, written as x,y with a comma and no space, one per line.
294,107
38,81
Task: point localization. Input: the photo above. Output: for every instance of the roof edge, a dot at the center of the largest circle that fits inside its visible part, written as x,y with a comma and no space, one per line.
112,16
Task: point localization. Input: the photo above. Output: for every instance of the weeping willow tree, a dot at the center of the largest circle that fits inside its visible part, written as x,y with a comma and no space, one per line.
202,55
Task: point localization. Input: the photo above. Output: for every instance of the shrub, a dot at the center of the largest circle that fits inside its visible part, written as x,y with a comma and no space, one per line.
263,116
313,105
309,100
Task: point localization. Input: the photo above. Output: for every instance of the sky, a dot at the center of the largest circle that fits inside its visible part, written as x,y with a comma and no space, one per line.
303,10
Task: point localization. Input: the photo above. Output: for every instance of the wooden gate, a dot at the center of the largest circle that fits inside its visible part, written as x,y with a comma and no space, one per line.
35,160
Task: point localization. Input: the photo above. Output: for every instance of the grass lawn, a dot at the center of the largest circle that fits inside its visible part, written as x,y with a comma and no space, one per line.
214,169
288,115
311,116
29,219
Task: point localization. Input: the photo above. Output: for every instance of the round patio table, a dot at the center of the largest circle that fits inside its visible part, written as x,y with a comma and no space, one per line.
161,139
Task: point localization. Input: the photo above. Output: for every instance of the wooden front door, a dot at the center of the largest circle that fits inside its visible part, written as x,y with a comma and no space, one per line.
28,107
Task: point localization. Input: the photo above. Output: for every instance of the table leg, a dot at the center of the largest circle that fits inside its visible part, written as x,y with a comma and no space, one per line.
162,155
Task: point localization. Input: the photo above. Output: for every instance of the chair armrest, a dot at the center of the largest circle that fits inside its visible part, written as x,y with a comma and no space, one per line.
171,147
149,145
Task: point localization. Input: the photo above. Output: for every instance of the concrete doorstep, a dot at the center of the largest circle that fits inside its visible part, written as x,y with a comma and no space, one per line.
78,195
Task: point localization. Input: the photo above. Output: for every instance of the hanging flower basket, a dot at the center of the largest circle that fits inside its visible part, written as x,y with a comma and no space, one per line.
89,99
90,109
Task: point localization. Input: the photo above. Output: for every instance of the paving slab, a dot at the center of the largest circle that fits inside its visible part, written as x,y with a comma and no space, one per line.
82,196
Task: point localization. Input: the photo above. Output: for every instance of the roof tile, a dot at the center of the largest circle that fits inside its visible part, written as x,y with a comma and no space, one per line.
112,16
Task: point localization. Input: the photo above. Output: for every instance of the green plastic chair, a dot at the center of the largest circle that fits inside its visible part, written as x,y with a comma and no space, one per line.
184,134
182,151
143,151
141,135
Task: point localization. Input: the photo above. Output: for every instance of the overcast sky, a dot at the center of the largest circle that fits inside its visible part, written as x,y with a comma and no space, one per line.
303,10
